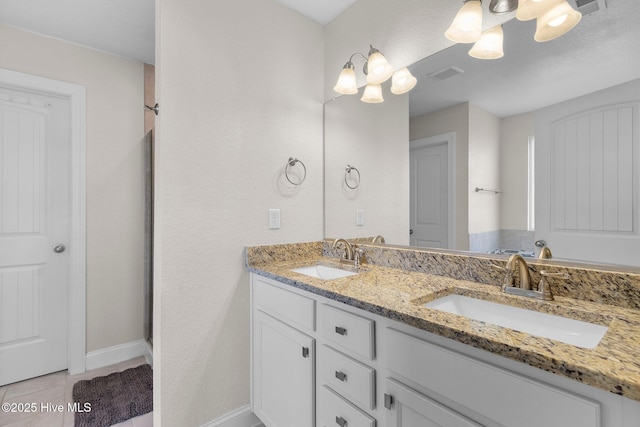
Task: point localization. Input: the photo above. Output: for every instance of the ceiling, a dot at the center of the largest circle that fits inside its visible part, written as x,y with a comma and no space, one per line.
121,27
600,52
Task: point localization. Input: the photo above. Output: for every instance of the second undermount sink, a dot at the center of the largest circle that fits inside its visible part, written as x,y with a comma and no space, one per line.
570,331
324,272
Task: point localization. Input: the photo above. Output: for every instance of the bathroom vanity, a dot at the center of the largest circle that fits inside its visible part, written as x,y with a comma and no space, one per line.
364,350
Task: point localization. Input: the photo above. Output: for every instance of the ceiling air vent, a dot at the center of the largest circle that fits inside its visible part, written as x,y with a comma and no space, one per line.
587,7
445,73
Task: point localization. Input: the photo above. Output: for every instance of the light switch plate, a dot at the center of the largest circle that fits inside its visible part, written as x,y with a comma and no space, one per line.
274,219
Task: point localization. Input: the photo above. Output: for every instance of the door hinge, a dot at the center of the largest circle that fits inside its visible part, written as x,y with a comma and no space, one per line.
388,401
305,352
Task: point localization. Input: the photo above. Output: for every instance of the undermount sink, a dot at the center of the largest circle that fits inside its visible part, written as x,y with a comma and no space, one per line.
324,272
570,331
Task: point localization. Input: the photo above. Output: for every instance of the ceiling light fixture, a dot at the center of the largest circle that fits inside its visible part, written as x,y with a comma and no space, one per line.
554,18
378,70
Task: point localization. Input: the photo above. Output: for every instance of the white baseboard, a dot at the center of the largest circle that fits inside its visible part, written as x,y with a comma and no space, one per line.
148,355
241,417
116,354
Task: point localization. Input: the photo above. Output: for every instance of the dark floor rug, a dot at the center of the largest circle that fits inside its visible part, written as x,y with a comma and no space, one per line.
114,398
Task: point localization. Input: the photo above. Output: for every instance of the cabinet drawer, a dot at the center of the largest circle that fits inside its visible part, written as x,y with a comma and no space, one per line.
498,394
347,376
288,306
348,332
334,411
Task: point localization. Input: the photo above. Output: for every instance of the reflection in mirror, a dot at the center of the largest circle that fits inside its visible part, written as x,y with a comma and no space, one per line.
491,115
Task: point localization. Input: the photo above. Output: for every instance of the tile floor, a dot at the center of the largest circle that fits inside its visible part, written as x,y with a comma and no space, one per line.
56,389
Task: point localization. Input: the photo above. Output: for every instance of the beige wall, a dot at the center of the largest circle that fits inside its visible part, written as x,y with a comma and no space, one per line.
484,170
514,140
114,174
240,87
453,119
374,138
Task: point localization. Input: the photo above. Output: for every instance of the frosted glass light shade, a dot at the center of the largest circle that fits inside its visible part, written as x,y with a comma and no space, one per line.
346,82
556,22
531,9
402,81
372,94
378,69
490,44
467,25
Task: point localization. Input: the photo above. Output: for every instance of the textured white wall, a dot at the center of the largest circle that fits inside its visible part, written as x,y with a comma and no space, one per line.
375,139
240,88
115,186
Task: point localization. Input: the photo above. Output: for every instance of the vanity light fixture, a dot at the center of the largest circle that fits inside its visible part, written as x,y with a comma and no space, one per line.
378,70
372,94
502,7
531,9
402,81
557,21
467,25
490,44
554,18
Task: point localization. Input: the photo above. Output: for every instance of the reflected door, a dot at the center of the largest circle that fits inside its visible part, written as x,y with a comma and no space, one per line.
429,200
34,229
587,177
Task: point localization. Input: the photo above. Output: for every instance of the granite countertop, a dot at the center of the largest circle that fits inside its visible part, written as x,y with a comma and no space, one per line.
614,365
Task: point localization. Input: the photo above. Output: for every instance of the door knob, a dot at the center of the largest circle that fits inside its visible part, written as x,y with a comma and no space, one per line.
59,248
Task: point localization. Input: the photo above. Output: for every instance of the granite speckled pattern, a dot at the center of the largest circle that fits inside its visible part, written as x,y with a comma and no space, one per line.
397,281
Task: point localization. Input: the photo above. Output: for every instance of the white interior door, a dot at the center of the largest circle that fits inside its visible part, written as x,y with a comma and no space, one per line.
429,200
35,213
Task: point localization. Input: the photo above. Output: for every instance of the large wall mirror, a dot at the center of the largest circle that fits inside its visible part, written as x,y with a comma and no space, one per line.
490,156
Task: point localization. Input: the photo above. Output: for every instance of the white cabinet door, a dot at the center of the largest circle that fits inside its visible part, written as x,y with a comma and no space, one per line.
283,369
407,408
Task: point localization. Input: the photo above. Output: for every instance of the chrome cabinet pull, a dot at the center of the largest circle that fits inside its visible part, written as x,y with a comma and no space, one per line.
305,352
341,376
59,248
341,422
340,330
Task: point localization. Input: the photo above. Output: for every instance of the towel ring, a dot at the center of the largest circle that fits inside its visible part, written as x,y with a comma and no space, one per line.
291,163
347,173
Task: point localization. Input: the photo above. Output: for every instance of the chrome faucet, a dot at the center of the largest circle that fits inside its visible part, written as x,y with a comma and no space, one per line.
523,268
378,239
348,249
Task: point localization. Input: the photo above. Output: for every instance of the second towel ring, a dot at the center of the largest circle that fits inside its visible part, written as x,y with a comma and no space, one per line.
347,173
290,163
